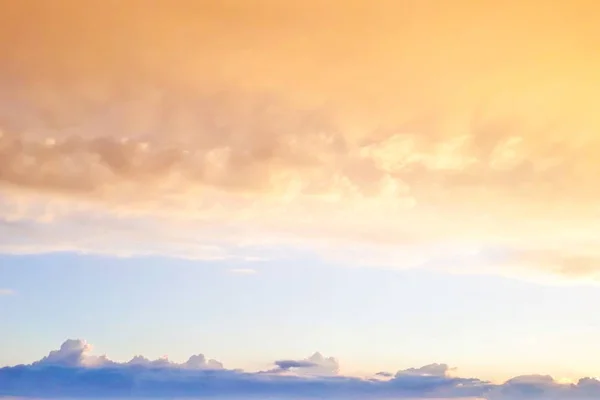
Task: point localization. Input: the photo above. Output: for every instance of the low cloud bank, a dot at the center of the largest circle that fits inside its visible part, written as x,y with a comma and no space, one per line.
71,371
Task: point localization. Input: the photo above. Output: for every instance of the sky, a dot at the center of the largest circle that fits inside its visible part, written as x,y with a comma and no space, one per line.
392,199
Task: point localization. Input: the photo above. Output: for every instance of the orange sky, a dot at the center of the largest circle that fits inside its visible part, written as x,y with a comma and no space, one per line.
392,123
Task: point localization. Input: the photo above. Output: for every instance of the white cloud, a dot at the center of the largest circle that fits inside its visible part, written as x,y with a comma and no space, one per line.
77,353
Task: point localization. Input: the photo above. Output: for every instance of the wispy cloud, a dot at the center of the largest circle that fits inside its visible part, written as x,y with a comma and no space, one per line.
7,292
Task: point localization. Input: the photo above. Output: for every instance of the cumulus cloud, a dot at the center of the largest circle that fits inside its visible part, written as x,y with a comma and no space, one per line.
364,130
72,353
77,353
198,361
73,371
68,372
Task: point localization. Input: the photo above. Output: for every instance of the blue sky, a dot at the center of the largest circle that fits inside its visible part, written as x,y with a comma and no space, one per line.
370,319
503,330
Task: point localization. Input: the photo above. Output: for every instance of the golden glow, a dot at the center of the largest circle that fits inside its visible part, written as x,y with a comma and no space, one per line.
390,122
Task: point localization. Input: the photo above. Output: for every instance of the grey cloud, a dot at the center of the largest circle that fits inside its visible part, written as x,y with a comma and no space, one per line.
289,364
313,365
427,370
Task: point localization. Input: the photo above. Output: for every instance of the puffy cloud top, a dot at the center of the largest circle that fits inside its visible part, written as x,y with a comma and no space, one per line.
71,371
72,353
76,353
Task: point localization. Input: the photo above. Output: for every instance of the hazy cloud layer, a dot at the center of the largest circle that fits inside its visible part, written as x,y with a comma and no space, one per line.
73,371
391,124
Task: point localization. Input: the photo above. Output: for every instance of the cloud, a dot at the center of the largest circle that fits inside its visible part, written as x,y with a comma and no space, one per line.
200,362
72,353
540,386
289,364
68,372
313,365
195,362
427,370
77,353
164,119
73,371
6,292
